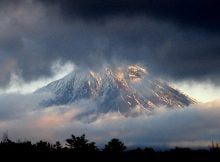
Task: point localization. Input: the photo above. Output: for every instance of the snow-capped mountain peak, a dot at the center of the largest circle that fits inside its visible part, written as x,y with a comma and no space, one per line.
125,89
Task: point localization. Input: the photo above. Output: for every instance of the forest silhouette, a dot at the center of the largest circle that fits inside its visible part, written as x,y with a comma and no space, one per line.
80,148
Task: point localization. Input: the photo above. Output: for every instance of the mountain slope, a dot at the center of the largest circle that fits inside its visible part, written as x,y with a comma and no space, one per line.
127,90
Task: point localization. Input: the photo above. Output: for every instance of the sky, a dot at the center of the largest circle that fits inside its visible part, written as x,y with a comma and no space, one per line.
43,40
177,41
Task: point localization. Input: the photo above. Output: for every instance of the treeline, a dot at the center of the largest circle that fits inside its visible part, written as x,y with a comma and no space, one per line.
76,144
80,148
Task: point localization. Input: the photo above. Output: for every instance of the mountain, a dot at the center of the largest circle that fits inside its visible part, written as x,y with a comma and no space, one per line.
127,90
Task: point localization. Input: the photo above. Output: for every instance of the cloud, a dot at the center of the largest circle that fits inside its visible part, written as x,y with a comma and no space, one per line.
196,125
199,13
173,43
176,40
204,91
20,86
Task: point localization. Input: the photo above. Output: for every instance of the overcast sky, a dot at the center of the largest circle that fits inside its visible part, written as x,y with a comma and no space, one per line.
174,39
43,40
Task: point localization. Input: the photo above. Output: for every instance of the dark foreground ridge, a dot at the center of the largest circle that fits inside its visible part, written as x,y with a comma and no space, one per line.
81,149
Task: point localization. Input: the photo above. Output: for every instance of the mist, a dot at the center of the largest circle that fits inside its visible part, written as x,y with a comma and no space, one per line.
194,126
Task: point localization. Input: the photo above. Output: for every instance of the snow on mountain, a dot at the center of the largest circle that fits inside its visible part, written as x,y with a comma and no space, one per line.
127,90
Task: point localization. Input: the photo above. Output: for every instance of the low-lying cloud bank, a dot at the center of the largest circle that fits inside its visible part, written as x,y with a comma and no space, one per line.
24,119
196,125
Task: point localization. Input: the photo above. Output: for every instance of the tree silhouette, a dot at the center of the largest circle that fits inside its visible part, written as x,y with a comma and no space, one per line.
115,145
149,150
80,147
5,138
43,146
81,144
57,146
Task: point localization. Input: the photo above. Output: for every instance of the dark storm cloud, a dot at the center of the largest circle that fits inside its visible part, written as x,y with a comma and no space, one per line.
176,39
200,13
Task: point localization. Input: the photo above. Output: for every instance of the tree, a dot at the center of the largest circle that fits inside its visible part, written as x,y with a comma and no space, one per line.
5,138
81,144
57,145
149,150
43,146
115,145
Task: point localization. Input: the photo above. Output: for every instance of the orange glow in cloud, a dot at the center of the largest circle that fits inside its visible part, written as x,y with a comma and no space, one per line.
52,118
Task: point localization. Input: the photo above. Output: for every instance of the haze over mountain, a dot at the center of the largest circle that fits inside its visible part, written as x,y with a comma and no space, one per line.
129,90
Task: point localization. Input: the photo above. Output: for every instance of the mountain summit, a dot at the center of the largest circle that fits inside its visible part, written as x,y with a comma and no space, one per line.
127,90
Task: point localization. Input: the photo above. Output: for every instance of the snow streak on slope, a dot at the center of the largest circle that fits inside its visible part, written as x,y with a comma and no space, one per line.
129,90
